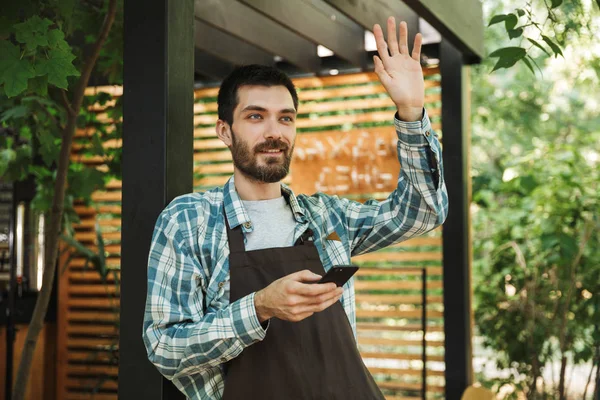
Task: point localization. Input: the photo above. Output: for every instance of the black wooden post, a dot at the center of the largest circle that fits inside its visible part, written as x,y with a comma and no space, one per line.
157,163
457,282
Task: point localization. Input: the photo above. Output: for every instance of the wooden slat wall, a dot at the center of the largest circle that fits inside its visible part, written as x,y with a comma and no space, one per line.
388,287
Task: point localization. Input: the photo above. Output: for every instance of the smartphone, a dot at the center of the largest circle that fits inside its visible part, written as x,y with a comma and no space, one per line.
339,274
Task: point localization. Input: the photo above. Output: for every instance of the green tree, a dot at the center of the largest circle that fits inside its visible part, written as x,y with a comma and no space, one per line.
536,197
50,50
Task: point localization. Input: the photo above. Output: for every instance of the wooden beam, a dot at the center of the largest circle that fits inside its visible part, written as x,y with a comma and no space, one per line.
458,21
319,23
157,166
370,12
229,48
455,231
249,25
211,66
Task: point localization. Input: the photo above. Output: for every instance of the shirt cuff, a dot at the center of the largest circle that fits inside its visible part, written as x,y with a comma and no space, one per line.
415,133
246,325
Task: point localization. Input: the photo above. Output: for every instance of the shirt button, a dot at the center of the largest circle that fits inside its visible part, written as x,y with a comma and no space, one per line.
248,225
221,284
427,133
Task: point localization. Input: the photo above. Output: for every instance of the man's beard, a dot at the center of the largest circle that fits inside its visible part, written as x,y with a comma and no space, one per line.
246,160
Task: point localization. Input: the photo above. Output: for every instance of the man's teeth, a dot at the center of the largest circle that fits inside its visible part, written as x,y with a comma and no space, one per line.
271,151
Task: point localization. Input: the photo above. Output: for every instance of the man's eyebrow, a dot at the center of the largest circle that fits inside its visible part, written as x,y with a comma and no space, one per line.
259,108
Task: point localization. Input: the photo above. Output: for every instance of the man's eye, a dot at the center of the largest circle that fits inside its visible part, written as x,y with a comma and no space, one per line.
288,119
254,116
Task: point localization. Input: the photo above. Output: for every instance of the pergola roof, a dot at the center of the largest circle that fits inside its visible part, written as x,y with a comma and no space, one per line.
286,33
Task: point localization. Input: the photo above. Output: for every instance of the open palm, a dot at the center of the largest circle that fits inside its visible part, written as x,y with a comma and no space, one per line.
399,72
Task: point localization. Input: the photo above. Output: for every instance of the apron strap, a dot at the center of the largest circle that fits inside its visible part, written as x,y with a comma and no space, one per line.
235,237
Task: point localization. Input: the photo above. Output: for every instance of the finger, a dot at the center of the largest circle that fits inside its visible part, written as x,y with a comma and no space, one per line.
327,296
392,40
403,38
312,289
325,305
416,53
382,48
380,70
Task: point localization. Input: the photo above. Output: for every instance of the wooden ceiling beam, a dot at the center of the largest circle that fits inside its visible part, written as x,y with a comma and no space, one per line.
229,48
239,20
318,22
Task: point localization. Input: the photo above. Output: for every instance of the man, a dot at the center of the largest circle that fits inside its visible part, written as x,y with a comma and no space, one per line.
233,310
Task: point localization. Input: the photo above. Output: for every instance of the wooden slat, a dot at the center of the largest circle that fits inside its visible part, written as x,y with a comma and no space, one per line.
400,271
91,236
87,396
404,371
90,383
91,341
107,196
87,302
91,223
400,356
360,313
409,386
397,299
214,168
397,342
389,285
93,369
93,316
213,156
80,262
351,91
91,275
101,209
90,355
382,327
400,256
92,289
91,329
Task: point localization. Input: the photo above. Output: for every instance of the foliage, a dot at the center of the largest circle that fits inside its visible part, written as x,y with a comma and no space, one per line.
43,44
536,196
550,37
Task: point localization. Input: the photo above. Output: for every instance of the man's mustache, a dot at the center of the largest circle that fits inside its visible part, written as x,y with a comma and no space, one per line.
271,145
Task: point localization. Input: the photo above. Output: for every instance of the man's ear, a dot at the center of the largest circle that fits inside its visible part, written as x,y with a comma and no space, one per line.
224,132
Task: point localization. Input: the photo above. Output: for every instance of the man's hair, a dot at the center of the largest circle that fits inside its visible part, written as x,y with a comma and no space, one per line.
254,74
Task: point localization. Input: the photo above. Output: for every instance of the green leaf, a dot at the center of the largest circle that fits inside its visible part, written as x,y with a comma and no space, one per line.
556,3
528,63
510,22
15,112
48,149
515,33
58,66
520,12
39,85
598,3
25,133
539,46
84,181
97,147
6,27
508,56
33,32
498,18
56,40
7,156
14,71
555,48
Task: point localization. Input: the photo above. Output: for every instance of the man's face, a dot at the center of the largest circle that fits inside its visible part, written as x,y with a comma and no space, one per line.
263,132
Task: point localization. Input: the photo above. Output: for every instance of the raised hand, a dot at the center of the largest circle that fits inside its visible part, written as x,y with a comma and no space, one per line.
400,73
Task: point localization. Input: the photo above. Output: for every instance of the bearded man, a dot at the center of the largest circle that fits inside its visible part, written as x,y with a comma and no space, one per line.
232,310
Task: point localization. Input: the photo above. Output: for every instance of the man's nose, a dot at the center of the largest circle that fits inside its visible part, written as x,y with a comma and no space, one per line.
273,130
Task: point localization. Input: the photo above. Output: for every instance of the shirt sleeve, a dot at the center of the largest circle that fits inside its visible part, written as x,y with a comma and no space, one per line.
180,338
417,205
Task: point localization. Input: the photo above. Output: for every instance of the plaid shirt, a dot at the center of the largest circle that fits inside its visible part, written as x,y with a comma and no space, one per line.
190,328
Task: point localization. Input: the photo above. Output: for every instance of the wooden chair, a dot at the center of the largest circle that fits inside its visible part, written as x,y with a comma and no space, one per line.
477,393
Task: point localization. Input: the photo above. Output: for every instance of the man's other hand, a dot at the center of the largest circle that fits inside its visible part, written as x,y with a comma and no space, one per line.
295,297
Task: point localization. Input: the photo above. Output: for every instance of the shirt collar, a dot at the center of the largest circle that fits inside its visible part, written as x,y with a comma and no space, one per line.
237,214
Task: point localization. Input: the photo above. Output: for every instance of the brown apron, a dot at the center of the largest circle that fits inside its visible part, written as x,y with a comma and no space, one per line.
316,358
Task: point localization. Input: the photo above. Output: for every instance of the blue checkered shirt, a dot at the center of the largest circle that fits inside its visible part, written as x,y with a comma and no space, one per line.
190,328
